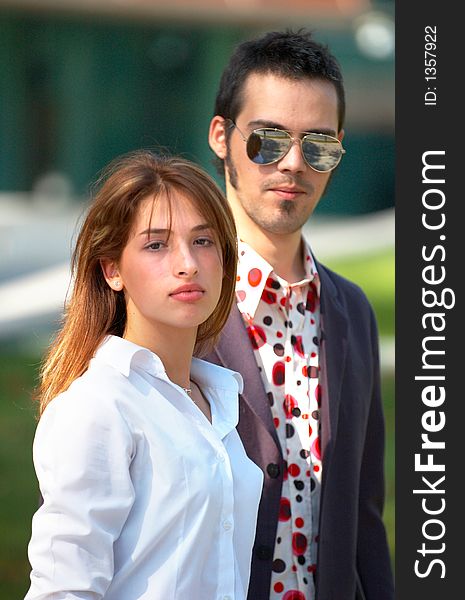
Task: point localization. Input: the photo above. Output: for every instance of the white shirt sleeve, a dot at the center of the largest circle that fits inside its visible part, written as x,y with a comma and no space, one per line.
82,456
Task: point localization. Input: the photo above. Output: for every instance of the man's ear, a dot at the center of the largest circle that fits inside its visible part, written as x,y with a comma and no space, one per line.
217,136
111,273
340,135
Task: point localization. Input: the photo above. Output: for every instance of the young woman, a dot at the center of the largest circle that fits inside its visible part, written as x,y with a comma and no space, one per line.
147,490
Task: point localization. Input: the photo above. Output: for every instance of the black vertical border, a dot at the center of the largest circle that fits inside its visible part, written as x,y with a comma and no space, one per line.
424,128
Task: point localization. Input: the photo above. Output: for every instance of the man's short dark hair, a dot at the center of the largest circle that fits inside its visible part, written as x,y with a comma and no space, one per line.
293,55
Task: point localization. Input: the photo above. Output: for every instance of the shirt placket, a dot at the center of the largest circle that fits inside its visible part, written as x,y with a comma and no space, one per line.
298,445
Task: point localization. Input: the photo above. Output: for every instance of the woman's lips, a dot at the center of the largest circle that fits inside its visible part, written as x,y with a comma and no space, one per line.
188,293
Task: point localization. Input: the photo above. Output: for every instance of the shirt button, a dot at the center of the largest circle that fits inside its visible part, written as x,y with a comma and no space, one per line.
227,525
220,457
273,470
227,598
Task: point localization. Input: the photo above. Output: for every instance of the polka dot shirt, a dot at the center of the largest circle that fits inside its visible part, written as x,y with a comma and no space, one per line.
282,321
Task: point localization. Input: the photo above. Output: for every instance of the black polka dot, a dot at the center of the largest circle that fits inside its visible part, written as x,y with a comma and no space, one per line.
304,453
301,559
316,414
301,308
267,320
299,382
289,430
305,580
270,398
298,498
279,565
278,540
312,484
296,411
275,284
278,349
299,485
293,340
316,341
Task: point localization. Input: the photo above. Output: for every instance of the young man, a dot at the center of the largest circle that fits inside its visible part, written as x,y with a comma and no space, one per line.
304,339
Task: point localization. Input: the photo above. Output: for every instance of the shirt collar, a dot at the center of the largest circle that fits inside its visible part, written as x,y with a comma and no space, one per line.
253,273
221,383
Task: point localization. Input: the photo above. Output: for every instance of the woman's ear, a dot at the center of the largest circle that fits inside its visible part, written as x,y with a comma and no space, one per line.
217,136
111,273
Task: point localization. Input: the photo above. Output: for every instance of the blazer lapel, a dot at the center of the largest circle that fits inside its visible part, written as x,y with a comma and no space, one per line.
235,350
333,321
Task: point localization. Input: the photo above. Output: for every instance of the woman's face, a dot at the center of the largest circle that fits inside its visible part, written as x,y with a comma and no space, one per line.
171,269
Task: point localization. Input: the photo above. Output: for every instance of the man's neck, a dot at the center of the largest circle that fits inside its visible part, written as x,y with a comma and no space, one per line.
282,252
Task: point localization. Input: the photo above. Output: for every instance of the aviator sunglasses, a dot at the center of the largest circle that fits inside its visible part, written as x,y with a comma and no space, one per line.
267,145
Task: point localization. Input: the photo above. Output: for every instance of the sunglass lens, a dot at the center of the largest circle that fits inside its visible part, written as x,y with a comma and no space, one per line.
321,152
265,146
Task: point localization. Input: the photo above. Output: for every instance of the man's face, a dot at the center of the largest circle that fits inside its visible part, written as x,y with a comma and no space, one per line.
276,198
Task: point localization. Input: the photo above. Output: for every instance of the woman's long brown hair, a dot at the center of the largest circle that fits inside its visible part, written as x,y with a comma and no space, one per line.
95,310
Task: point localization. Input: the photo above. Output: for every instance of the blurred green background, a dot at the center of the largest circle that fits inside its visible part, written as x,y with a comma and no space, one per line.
78,89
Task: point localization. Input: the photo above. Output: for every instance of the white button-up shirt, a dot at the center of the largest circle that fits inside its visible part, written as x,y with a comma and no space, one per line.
143,496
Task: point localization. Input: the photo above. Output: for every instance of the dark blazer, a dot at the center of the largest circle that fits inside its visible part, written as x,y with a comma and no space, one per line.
353,558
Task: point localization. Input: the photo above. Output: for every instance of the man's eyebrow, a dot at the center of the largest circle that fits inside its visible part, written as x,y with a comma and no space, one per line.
258,123
165,231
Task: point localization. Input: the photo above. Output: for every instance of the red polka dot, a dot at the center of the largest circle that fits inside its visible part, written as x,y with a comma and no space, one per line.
289,404
238,278
278,373
299,543
305,416
318,394
278,587
279,334
293,595
285,510
269,297
298,346
304,371
294,568
294,470
311,301
257,336
310,430
316,448
283,301
288,359
307,473
313,354
254,277
316,468
311,568
276,422
241,295
312,321
299,522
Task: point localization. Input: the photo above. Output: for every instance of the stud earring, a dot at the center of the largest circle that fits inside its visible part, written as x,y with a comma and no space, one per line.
117,283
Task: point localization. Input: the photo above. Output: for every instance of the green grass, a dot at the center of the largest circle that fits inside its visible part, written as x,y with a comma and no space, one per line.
18,487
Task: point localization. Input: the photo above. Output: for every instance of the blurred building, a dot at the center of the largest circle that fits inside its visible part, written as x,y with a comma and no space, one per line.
83,81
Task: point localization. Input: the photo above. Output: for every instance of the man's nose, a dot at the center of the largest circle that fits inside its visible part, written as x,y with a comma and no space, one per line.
293,160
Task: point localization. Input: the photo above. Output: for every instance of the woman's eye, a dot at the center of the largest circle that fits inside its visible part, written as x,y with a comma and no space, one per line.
204,241
154,246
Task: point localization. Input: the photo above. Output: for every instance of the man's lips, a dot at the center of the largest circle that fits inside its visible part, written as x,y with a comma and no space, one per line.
285,189
286,192
188,293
